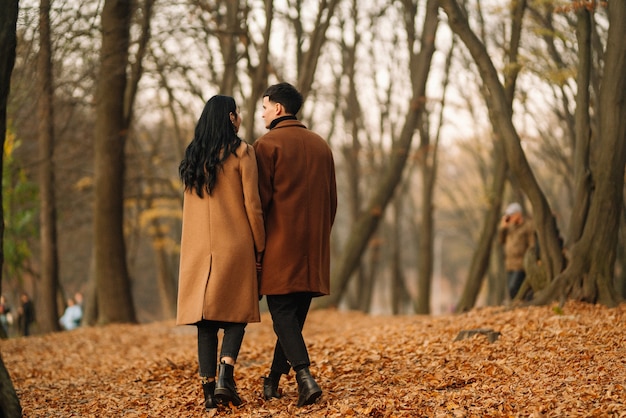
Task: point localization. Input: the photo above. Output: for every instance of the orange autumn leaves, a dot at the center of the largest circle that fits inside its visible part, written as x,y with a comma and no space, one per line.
544,363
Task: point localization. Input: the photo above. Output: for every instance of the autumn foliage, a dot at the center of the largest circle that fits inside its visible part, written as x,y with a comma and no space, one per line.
546,362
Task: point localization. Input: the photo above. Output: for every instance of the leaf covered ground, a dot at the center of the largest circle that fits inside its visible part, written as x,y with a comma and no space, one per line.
547,362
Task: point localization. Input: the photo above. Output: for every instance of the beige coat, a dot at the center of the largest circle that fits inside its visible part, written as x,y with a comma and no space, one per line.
217,274
517,239
299,197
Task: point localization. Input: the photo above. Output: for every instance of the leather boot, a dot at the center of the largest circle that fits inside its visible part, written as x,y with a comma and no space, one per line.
225,390
270,387
209,400
308,390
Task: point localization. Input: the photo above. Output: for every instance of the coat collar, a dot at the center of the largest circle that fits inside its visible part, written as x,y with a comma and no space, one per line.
276,121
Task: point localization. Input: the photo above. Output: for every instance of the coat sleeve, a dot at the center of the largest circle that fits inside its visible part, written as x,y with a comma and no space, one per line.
252,201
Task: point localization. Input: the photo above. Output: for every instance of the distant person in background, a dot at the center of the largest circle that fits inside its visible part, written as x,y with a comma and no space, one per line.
222,235
72,316
299,196
517,234
26,314
5,315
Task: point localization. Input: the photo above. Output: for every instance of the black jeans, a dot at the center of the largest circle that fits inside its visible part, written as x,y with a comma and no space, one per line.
514,281
207,344
288,316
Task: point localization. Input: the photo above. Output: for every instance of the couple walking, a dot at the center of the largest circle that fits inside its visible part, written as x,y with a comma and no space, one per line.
256,221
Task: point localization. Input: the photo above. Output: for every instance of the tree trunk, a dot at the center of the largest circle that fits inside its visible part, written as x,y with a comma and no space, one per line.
398,290
136,69
228,35
428,155
9,402
115,303
259,73
367,223
426,228
582,144
589,276
365,288
550,246
165,282
47,306
480,258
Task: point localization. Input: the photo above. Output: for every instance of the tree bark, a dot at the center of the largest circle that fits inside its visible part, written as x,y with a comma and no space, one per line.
228,41
47,306
589,276
582,144
259,73
9,402
114,298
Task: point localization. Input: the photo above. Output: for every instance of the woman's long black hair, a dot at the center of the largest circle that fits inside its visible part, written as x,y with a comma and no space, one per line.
215,139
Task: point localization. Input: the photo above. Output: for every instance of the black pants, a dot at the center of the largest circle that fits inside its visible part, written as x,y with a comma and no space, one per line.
288,316
514,281
207,344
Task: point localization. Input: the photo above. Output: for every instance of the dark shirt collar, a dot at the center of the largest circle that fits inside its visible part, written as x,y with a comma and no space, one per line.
280,119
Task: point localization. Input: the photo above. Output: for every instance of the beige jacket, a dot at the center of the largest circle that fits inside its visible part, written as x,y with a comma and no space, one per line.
516,240
217,273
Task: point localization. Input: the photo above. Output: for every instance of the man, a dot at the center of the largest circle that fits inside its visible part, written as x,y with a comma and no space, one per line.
517,234
299,198
26,314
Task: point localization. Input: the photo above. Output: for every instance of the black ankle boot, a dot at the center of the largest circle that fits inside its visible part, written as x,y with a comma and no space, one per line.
270,386
308,390
225,390
209,400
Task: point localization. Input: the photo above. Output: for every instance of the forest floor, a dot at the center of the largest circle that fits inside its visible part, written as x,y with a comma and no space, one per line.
547,362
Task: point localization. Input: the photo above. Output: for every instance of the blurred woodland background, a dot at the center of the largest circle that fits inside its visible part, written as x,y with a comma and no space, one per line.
439,112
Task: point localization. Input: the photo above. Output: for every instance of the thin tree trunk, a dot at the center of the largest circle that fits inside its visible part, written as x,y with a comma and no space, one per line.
47,306
259,73
307,66
367,223
429,158
9,402
228,41
426,228
397,277
582,171
165,282
480,258
115,303
136,69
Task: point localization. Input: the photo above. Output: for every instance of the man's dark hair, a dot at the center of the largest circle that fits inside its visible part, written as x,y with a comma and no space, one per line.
286,95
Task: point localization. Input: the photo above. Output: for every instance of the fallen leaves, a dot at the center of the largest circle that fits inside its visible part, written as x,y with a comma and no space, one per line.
545,363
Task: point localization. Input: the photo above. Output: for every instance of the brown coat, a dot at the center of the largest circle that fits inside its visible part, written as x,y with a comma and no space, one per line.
299,197
217,275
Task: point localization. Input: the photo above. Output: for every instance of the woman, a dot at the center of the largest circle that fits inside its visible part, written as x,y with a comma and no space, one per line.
222,237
